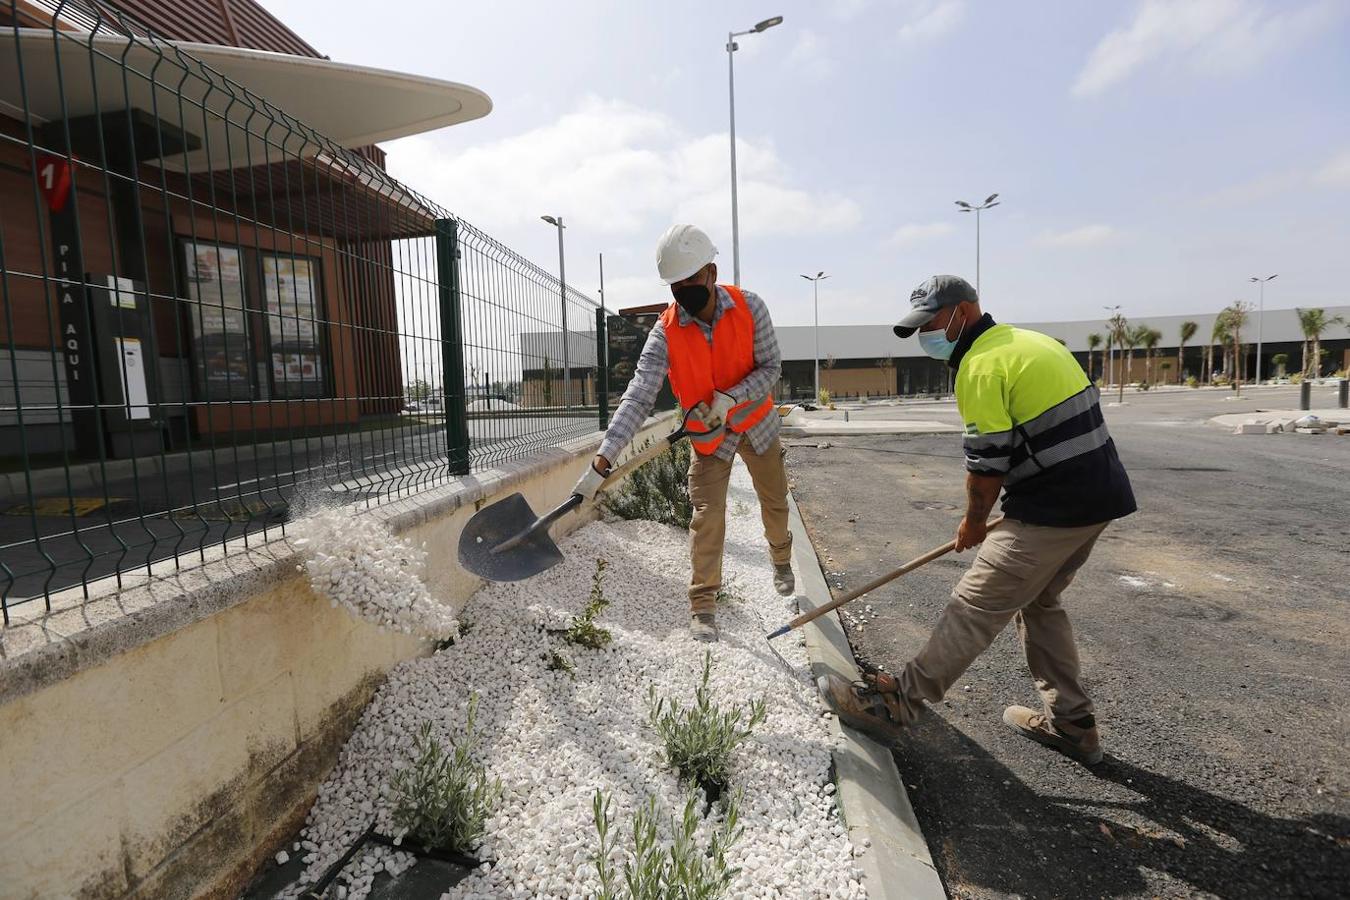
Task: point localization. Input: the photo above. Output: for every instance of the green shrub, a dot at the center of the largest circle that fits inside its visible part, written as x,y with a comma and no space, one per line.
699,739
1192,381
583,631
823,398
658,870
443,799
657,491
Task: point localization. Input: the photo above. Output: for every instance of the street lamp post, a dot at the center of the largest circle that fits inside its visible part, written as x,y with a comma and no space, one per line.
1110,343
731,93
989,202
1260,314
815,292
557,222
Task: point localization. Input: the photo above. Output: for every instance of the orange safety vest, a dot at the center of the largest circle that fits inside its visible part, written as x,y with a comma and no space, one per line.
696,370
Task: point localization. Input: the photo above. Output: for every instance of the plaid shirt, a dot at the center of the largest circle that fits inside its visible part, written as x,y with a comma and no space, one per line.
654,362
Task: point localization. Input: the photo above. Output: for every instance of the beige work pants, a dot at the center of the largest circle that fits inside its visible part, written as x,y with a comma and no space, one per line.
708,479
1019,573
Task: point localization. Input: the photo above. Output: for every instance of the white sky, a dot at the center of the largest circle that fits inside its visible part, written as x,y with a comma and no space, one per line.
1150,154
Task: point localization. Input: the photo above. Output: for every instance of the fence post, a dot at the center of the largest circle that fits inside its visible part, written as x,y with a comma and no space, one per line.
602,367
453,395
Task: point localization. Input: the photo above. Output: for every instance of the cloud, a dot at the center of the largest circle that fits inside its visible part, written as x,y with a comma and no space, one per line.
1336,173
913,233
933,21
1212,36
615,168
1084,236
810,57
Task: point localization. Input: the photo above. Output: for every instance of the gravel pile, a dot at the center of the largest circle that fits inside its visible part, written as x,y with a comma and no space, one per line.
553,738
356,561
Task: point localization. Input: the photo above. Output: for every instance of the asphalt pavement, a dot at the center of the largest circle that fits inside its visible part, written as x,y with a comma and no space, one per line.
1213,627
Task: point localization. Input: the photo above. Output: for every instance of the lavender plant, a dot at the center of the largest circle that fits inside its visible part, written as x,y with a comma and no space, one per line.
674,869
699,739
443,799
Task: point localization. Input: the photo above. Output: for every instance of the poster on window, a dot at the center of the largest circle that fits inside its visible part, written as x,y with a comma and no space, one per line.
215,286
290,290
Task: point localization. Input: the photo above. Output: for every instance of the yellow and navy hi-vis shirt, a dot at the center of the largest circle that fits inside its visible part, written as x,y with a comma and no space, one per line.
1032,416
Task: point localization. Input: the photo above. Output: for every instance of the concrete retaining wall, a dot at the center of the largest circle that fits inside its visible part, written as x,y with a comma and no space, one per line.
164,740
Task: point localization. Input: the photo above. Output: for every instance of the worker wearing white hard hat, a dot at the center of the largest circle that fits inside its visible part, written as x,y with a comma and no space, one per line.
717,345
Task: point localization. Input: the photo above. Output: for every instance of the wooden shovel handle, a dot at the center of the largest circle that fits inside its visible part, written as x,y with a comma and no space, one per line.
875,583
649,454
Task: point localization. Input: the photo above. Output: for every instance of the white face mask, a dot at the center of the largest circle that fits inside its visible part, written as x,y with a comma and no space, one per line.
935,343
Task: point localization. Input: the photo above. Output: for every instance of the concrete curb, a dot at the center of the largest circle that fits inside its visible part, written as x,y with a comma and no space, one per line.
872,797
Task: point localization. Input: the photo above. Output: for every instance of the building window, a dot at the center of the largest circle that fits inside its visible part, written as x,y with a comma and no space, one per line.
294,313
241,347
218,311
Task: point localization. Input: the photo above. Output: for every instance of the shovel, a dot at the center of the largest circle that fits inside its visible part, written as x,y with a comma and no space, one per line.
872,585
507,542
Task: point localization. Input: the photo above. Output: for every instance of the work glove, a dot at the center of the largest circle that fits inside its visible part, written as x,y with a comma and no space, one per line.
721,406
589,482
703,412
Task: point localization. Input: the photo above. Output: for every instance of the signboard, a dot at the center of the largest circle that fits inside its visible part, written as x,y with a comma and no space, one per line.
294,319
626,335
136,397
55,179
215,284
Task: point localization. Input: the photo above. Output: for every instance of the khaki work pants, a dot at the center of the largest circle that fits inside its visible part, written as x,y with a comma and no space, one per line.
1019,573
708,479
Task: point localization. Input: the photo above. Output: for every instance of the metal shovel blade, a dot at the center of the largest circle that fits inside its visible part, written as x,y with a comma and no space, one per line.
501,521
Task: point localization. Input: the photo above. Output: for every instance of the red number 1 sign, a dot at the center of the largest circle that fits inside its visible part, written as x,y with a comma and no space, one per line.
54,178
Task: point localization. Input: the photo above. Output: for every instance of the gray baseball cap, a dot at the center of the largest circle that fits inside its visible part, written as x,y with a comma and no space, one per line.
930,298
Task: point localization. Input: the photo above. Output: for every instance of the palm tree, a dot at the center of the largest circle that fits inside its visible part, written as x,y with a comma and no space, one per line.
1280,361
1149,337
1237,320
1218,335
1314,322
1094,341
1134,338
1117,330
1188,330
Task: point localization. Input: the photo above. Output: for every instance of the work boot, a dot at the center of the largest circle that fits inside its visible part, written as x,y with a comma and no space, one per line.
1079,741
783,580
863,705
703,627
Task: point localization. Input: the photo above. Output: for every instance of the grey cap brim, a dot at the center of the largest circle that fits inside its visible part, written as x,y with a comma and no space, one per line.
912,322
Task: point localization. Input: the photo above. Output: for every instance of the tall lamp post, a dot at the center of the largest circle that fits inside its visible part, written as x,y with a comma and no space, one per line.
557,222
989,202
731,83
1110,342
1260,313
815,280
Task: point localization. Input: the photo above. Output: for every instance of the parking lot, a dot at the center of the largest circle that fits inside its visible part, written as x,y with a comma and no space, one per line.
1213,630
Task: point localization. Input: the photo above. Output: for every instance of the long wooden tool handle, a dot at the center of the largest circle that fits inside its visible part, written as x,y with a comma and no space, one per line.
656,449
875,583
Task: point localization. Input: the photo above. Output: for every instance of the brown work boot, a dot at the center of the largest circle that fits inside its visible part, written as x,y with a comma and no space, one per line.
783,580
1081,742
703,627
863,705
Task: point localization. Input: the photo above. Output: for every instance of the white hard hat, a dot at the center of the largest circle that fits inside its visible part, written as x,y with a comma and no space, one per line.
682,251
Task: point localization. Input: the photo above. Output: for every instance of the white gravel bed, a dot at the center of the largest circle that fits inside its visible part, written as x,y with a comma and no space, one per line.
553,738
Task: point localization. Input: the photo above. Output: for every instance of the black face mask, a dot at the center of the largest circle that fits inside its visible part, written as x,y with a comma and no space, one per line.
693,297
